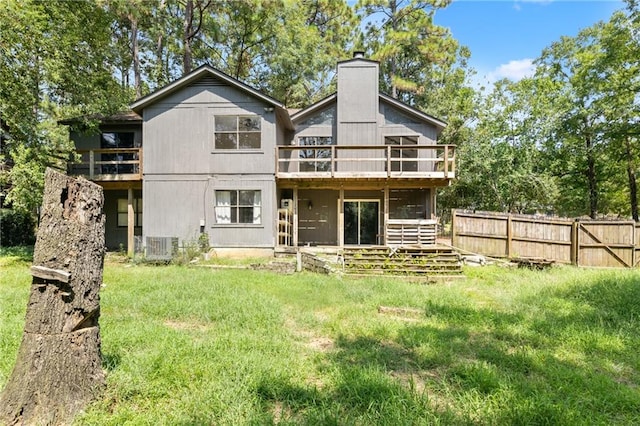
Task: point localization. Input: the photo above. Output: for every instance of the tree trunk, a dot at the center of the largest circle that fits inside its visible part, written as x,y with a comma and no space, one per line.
135,55
633,184
187,58
58,370
591,179
393,6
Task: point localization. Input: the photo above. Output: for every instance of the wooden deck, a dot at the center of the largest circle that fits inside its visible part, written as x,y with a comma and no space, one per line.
365,162
109,165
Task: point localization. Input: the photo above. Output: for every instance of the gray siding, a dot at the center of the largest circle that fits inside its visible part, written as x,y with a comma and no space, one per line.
180,132
174,207
357,103
183,170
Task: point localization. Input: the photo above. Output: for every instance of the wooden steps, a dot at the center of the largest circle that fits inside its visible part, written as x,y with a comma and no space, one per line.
402,261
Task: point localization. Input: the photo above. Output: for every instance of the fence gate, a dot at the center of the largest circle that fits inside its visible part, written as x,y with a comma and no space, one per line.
583,242
609,244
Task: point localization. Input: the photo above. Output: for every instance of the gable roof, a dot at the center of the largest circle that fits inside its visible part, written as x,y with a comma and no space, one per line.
208,71
305,112
409,110
121,117
414,112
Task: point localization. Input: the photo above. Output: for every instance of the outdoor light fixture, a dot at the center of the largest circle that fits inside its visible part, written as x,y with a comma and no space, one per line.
310,205
268,109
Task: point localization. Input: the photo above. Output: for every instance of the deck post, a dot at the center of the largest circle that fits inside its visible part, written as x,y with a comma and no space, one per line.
446,161
341,218
333,160
130,222
386,214
91,164
388,160
295,217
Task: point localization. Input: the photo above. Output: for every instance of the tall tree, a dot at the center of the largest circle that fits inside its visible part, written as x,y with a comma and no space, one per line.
300,64
402,36
421,63
619,69
596,78
55,62
500,165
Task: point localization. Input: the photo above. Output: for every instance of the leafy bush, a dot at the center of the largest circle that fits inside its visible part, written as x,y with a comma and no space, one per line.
17,228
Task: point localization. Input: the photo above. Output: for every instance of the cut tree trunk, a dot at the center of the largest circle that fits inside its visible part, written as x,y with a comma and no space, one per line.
58,370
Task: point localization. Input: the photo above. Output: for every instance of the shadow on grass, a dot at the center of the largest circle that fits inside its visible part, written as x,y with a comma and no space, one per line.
110,361
566,356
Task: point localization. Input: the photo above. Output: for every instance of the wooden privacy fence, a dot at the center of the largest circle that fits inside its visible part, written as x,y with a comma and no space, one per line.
604,243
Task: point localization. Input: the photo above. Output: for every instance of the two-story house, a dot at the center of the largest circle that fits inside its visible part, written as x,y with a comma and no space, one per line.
210,155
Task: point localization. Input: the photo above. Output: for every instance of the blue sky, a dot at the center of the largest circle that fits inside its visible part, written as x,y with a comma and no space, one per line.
506,35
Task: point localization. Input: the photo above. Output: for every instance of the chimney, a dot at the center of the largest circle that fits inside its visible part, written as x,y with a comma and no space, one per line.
357,112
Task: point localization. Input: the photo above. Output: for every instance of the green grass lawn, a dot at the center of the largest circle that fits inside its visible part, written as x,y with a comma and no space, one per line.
198,346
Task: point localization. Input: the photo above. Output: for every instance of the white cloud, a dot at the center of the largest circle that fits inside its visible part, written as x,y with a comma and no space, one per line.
513,70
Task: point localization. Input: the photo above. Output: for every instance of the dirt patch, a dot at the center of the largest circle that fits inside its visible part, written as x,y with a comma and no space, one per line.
183,325
321,344
280,412
402,313
311,340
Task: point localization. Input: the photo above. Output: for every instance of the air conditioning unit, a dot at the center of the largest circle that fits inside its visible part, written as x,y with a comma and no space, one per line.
286,203
161,248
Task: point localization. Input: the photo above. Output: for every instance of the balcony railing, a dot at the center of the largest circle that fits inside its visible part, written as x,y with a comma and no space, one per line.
366,161
115,164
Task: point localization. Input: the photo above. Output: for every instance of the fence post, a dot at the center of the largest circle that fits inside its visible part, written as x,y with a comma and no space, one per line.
509,234
634,229
575,248
453,228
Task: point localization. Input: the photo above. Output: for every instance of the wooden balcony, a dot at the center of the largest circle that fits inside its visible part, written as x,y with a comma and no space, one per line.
430,162
109,165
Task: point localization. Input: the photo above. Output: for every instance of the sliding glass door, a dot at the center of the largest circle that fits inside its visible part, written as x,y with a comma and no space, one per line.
361,222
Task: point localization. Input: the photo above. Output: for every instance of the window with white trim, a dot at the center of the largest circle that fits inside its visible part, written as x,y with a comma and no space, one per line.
238,206
123,212
235,132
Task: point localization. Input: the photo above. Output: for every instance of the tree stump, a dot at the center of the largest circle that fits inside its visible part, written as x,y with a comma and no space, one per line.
58,370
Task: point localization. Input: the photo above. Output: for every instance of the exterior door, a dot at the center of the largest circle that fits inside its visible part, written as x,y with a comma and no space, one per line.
361,222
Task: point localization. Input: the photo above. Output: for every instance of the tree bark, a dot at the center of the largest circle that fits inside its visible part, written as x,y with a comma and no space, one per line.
135,55
591,178
58,370
631,176
187,56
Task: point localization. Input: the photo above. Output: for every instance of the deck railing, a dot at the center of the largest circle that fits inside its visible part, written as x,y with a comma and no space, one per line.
322,161
403,232
112,164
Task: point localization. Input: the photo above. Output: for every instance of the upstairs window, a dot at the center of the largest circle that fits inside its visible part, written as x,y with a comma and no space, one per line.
401,157
238,206
116,140
233,132
318,151
122,161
